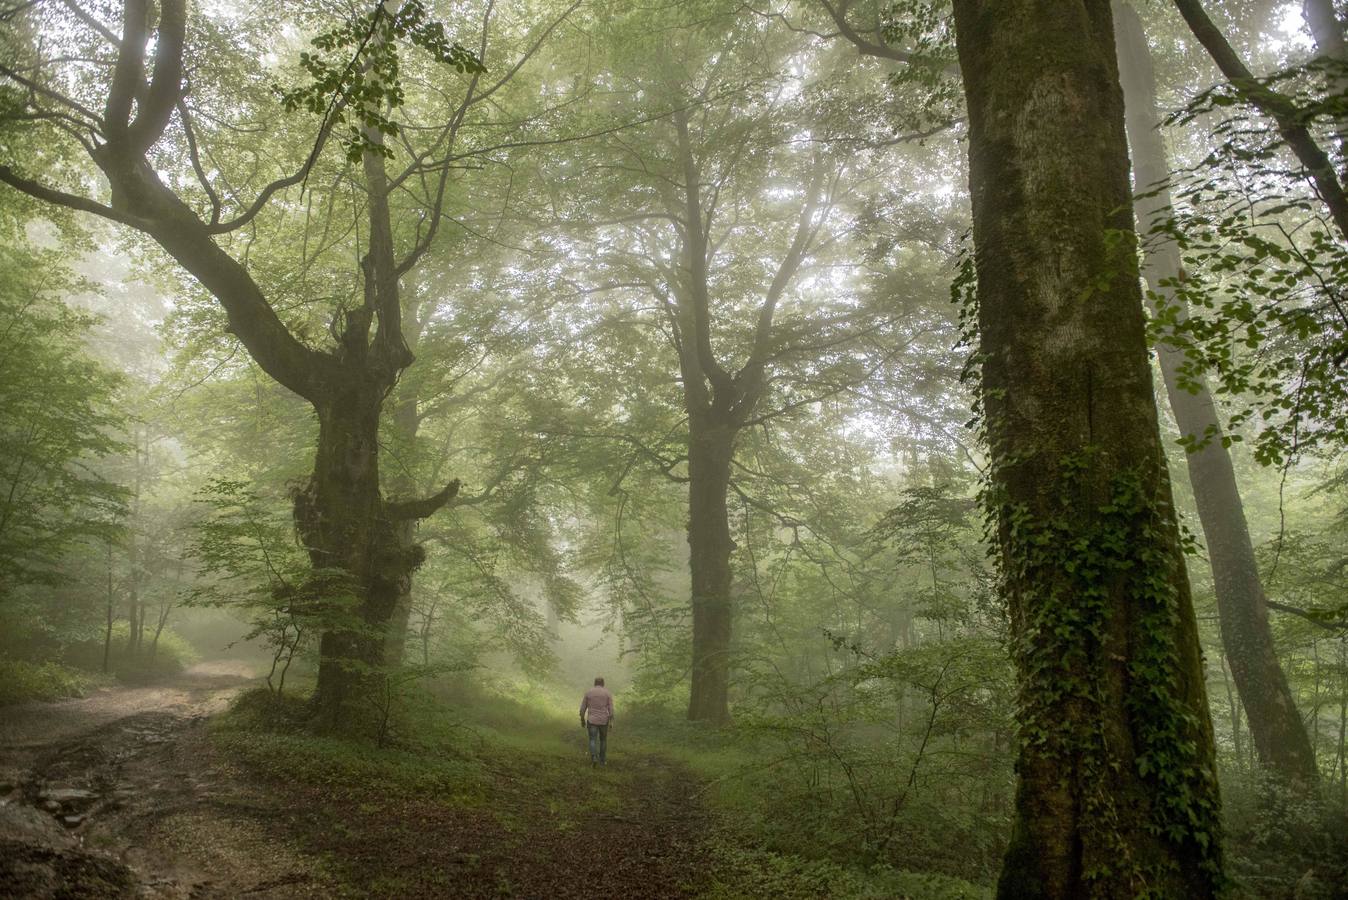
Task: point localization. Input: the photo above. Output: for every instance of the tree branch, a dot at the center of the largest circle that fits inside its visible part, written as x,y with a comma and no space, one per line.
1308,615
69,201
400,511
1276,106
155,111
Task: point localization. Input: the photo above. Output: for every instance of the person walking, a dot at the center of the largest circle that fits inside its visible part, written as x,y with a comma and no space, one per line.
596,715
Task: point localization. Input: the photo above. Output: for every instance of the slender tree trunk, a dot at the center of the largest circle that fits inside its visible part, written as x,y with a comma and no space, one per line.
134,612
1327,29
158,630
1116,794
710,449
395,639
405,425
107,632
1233,709
1343,722
1315,701
1275,723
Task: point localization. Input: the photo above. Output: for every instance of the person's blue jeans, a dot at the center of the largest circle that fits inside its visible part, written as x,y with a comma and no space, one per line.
598,743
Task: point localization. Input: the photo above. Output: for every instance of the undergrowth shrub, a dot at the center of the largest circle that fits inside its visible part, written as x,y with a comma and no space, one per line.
171,654
1283,842
901,759
22,682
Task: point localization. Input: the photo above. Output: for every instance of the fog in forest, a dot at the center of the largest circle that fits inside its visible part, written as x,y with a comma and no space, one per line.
772,448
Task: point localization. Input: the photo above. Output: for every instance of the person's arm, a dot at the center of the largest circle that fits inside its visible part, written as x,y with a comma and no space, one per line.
584,705
612,711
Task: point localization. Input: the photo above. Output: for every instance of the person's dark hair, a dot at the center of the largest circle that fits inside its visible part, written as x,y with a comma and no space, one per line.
599,681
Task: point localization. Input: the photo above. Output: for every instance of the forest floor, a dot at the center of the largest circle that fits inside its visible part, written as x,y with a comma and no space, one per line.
134,792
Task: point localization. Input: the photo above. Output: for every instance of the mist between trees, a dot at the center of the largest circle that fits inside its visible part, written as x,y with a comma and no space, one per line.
929,416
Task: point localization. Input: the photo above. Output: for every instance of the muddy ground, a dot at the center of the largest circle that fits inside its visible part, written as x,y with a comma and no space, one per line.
120,794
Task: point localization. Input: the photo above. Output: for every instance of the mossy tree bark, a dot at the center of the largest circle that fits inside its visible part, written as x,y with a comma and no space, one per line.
1275,723
1116,792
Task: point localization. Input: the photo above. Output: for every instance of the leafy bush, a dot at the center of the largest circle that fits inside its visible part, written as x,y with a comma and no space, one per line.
21,682
1281,842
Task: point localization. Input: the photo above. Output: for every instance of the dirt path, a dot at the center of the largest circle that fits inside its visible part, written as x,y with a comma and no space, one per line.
122,794
631,830
119,794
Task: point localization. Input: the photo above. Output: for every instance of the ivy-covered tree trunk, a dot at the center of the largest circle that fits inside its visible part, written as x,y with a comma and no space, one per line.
710,450
1275,723
1116,793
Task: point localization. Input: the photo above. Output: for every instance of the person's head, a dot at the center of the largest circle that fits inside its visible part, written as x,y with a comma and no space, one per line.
599,681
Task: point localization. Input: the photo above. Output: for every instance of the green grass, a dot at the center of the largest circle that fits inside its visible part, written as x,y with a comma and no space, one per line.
458,746
23,682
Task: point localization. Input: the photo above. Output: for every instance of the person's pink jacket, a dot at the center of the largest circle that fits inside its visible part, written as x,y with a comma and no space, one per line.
600,704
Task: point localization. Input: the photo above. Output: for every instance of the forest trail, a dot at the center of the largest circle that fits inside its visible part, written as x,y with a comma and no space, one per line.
124,794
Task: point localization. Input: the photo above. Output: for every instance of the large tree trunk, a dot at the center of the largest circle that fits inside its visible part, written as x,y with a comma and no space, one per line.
710,450
360,564
1116,793
1275,723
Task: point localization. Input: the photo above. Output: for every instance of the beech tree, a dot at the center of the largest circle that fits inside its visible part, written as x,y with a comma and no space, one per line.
1275,723
133,112
1116,792
730,216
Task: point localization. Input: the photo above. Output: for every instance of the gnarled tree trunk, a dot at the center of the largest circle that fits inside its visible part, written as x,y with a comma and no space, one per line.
1116,794
351,532
711,446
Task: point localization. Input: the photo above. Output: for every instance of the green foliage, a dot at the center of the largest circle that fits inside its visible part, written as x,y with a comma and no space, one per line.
927,94
870,764
58,423
23,682
249,561
1281,842
1261,302
356,78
